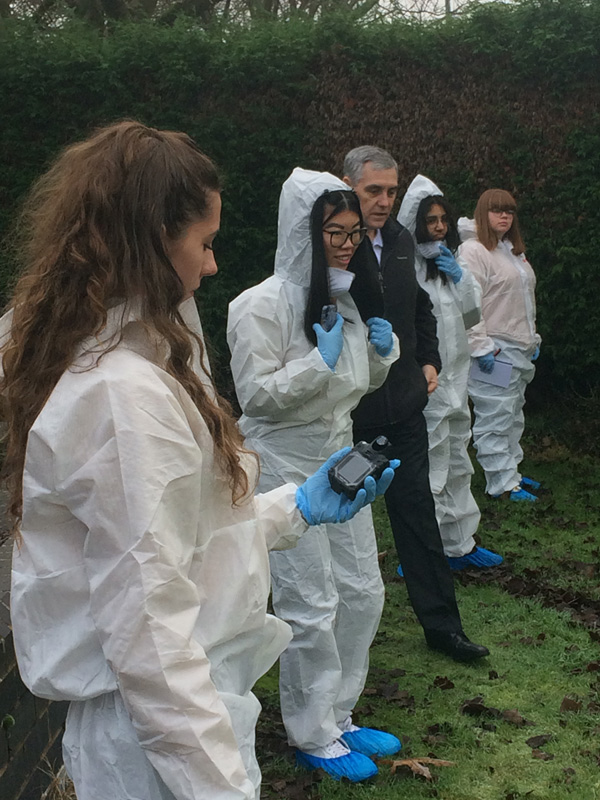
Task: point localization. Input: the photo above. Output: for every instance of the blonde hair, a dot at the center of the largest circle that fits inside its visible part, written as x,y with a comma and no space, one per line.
497,200
92,232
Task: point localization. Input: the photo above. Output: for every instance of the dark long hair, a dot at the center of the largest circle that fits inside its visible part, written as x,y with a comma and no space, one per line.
422,235
92,233
365,290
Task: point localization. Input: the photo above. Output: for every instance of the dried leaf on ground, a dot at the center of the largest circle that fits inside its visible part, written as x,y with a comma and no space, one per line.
476,708
442,682
418,766
539,754
538,741
437,733
569,704
514,717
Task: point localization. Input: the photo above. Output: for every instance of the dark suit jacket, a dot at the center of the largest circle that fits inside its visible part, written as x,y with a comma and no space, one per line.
408,307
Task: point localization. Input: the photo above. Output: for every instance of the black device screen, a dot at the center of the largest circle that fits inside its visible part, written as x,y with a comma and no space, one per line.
355,468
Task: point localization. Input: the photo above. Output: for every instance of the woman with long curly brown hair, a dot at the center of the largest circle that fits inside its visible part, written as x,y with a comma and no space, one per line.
141,572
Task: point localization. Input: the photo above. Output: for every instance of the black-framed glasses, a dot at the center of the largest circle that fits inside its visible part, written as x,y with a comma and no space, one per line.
339,238
497,210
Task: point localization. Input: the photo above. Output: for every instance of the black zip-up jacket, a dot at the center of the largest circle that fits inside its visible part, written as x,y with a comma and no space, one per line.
409,309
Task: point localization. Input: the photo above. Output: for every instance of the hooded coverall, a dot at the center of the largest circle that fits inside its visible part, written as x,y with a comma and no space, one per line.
139,592
455,306
508,325
296,412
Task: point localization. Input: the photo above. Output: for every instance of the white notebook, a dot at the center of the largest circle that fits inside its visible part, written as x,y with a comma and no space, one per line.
500,376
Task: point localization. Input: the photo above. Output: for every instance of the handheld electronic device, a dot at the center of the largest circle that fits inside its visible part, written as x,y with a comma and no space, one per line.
348,475
328,317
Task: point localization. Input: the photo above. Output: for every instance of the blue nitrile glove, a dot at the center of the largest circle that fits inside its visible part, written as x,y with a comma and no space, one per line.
318,503
330,343
375,488
535,356
380,335
448,264
486,362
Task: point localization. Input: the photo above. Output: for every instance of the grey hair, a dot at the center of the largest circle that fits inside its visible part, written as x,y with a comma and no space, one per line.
357,158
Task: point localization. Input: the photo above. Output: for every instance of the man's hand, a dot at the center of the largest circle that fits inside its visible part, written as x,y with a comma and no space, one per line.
431,377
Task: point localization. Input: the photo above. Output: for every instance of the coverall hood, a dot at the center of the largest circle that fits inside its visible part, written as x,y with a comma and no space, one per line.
467,228
293,259
420,188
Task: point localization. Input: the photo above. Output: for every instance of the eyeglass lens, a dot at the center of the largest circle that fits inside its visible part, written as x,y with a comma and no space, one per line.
339,238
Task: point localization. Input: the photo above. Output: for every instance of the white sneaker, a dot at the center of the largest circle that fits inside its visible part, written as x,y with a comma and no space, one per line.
334,749
347,726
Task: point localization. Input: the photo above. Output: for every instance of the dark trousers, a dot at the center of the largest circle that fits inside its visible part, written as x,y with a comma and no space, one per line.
411,512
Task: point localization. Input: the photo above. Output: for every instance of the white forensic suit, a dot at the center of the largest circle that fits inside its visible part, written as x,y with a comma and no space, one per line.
139,592
508,325
296,413
456,306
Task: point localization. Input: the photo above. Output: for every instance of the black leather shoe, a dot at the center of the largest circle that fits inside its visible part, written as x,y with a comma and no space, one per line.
455,645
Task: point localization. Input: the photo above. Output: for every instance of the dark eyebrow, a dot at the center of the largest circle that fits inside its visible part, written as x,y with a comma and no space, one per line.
340,226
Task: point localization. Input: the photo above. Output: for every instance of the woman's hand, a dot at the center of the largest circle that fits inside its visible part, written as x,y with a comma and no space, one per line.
319,503
380,335
330,343
431,377
486,363
448,264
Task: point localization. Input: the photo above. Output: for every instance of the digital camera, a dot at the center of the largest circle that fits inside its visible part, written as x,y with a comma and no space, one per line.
348,475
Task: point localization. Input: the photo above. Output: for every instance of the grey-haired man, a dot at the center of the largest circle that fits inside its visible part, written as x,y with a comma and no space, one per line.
396,409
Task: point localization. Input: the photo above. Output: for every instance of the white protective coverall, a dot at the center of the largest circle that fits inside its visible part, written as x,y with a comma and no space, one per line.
296,414
508,324
455,305
139,592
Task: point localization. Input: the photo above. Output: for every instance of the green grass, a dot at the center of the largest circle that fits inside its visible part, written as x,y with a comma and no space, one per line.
540,651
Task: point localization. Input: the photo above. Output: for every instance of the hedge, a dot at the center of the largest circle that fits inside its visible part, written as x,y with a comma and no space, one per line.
506,96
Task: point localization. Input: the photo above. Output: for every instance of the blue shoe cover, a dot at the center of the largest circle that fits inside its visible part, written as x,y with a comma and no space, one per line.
480,557
521,494
371,742
353,766
399,571
529,483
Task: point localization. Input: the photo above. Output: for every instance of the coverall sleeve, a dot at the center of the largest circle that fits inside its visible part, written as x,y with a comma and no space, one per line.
468,296
379,366
472,258
427,351
266,382
134,479
281,521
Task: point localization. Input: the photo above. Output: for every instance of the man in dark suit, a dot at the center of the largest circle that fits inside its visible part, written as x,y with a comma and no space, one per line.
396,409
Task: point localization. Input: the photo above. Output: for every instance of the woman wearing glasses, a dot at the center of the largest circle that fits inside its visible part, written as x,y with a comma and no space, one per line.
297,382
495,254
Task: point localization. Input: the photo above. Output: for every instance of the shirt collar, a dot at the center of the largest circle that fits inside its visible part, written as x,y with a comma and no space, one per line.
377,243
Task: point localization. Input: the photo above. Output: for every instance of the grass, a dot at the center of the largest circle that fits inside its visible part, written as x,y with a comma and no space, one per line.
544,648
544,654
